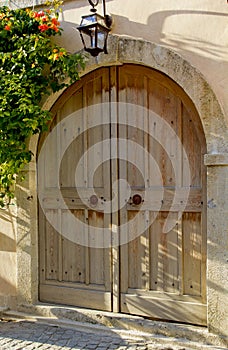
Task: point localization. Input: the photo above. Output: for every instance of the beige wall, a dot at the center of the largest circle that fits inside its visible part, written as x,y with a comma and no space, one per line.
197,30
8,257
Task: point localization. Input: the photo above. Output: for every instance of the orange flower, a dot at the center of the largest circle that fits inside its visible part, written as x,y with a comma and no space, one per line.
55,21
38,14
43,27
53,26
7,27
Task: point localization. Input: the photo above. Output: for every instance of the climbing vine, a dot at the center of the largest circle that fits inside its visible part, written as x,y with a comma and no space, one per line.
31,66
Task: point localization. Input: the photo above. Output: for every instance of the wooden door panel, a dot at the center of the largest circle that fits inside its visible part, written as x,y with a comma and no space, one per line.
162,272
78,274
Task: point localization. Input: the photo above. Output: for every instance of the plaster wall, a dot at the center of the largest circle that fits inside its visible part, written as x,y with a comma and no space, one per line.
197,30
8,256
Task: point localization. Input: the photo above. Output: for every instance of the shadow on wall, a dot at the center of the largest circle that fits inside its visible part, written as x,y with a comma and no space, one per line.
153,31
7,244
7,288
210,58
7,231
7,254
204,53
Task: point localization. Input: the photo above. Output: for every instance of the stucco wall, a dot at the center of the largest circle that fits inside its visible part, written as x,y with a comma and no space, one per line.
8,257
197,30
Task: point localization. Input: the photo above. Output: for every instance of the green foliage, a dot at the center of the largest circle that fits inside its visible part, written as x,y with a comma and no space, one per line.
31,66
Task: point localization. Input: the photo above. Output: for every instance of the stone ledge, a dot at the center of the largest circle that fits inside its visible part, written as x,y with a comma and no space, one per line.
216,159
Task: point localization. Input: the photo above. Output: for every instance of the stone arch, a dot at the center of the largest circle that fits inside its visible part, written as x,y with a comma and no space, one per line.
128,50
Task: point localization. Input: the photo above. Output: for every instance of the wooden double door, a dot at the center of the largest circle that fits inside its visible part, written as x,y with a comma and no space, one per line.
124,151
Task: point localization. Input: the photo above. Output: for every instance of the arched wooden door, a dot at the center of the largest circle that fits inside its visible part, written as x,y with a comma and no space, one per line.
122,150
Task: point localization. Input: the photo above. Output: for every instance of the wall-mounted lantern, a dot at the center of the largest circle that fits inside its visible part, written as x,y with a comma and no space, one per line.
94,30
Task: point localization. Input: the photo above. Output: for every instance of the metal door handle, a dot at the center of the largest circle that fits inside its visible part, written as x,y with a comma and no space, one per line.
93,200
137,199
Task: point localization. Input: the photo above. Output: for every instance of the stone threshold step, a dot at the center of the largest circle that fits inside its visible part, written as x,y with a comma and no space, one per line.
104,321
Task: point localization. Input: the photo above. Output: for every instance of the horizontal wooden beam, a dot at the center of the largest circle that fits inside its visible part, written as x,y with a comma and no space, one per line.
172,199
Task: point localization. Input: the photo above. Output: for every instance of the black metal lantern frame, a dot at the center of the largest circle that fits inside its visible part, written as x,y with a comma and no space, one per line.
94,30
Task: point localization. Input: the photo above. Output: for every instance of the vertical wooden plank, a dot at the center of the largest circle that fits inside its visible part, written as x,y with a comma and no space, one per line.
70,253
192,146
67,178
85,183
96,256
146,180
114,179
164,252
192,253
42,245
136,95
51,248
179,184
137,253
123,217
59,218
194,143
106,153
95,135
171,263
160,250
73,254
163,104
154,234
60,248
179,228
50,164
87,249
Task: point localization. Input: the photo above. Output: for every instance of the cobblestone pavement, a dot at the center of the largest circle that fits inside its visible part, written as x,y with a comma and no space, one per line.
29,335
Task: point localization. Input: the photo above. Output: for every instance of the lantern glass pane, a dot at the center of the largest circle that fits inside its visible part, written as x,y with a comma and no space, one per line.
88,39
101,39
88,20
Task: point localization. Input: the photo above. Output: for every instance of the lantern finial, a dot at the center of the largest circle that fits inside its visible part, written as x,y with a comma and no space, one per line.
93,3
